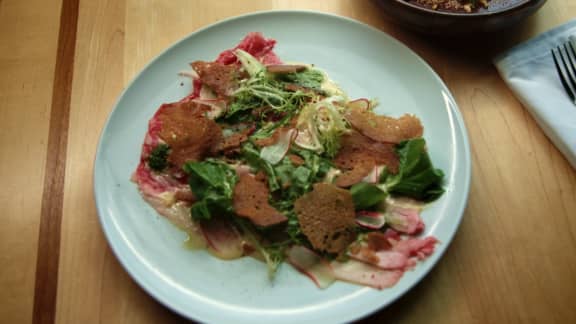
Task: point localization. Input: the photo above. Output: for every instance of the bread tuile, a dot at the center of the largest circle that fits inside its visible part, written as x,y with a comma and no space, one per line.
190,135
359,154
384,129
250,200
233,143
222,79
356,174
326,217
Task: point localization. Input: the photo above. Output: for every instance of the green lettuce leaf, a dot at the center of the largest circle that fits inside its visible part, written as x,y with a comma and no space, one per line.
417,177
366,195
309,78
212,182
251,155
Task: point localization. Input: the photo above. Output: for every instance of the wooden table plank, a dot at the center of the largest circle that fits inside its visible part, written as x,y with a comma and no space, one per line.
28,40
97,82
92,286
152,26
516,243
47,262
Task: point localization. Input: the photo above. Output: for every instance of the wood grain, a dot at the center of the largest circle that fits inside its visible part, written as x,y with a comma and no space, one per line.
513,259
97,83
53,196
28,38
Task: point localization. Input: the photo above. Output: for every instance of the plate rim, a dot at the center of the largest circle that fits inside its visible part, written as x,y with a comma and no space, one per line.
452,109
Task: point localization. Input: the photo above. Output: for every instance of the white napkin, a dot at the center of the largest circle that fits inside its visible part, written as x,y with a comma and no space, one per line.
529,71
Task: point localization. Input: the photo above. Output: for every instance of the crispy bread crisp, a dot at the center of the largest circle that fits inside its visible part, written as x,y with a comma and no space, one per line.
251,201
326,216
385,129
356,174
190,135
219,77
359,154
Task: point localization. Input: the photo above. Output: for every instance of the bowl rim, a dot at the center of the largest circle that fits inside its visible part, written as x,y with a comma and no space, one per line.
464,14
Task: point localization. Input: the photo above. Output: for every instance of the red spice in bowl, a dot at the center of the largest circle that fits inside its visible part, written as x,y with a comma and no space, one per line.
499,14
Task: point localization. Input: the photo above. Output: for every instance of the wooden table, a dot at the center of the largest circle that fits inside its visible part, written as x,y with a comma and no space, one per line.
64,62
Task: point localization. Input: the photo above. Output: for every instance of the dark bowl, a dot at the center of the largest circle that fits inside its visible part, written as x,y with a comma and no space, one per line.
500,14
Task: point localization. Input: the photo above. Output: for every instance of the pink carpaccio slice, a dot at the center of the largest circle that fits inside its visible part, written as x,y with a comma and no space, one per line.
312,265
403,215
398,253
419,248
387,260
364,274
370,219
255,44
223,239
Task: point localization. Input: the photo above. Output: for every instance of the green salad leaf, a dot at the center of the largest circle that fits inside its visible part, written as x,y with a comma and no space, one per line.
212,182
263,89
309,78
366,195
298,180
417,177
250,64
267,129
287,181
251,156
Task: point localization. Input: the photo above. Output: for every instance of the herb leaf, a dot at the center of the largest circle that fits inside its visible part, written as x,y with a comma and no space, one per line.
158,158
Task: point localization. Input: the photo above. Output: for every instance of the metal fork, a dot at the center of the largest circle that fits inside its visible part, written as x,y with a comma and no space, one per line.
565,60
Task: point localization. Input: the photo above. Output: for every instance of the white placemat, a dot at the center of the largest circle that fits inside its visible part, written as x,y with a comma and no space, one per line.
529,71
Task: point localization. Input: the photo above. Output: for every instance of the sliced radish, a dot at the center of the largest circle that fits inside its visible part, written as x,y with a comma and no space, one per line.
370,219
374,175
223,238
312,265
360,273
276,152
308,139
404,215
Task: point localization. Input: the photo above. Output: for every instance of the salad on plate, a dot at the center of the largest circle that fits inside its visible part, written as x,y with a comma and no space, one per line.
273,160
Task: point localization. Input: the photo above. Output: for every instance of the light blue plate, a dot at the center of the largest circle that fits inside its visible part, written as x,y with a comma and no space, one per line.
366,63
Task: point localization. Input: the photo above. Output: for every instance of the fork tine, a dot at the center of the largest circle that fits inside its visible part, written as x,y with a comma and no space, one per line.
568,59
571,45
556,55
